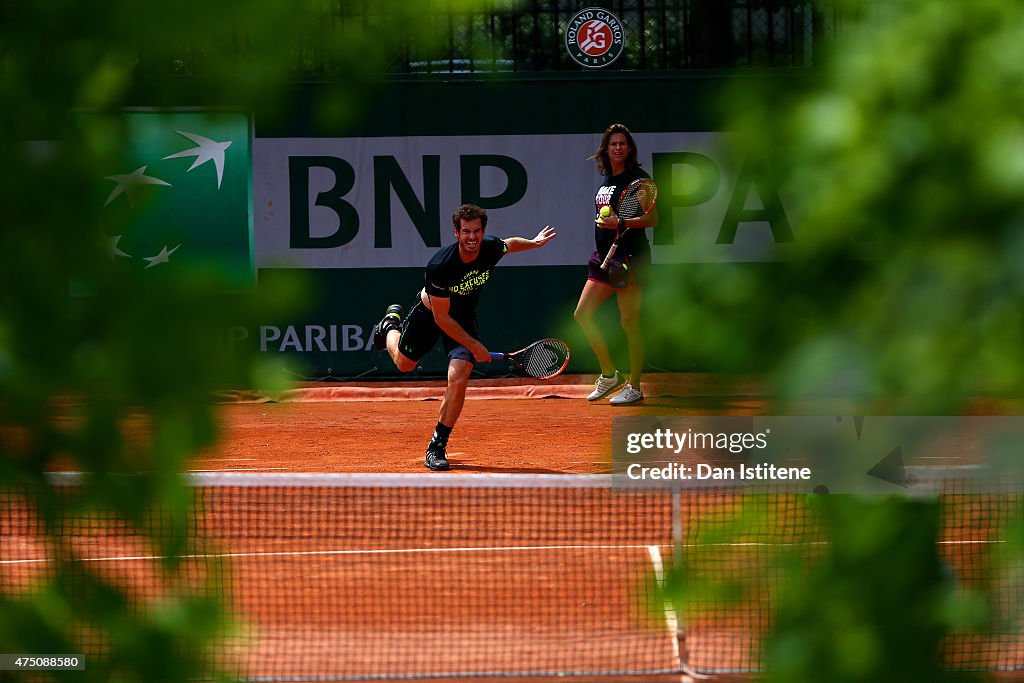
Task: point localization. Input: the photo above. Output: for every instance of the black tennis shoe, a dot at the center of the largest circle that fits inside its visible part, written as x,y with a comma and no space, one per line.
392,320
436,459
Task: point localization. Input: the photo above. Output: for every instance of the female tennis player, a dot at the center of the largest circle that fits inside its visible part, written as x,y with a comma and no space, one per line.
616,160
445,309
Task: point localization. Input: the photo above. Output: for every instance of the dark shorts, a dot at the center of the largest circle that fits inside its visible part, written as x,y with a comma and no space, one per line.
631,271
420,332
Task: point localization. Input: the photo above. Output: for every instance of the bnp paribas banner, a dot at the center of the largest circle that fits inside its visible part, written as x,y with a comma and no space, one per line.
179,192
386,202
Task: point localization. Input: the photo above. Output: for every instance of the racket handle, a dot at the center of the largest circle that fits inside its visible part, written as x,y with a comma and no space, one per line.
497,356
608,258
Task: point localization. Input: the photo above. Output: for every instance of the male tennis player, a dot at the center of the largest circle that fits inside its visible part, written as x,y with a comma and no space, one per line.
446,308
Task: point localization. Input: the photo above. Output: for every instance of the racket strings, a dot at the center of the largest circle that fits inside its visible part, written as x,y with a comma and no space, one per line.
630,207
545,358
637,199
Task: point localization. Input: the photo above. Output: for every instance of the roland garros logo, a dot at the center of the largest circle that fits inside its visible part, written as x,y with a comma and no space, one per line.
594,37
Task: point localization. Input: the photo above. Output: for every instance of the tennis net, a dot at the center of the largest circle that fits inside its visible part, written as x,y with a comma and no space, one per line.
349,577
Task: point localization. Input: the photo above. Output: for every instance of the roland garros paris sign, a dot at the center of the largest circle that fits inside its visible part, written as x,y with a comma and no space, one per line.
594,37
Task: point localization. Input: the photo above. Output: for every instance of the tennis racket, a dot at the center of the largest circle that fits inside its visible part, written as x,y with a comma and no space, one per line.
636,200
542,359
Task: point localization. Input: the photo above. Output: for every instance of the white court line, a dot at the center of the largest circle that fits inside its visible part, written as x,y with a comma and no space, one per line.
400,551
229,459
970,542
239,469
309,553
670,612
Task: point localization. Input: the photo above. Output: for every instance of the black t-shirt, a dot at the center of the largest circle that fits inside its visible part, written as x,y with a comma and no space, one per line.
448,276
608,194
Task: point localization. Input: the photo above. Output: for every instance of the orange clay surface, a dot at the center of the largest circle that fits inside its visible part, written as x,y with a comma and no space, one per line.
506,426
510,426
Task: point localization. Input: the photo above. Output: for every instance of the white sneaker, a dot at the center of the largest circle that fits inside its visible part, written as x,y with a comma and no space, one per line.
627,396
605,385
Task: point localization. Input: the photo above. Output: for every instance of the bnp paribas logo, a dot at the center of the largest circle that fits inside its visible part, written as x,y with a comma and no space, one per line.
182,194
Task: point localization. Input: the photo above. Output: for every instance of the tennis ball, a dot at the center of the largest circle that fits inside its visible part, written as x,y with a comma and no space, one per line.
606,211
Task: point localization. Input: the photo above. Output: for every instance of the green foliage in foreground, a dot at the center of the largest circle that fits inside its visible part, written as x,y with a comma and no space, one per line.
901,163
877,604
850,588
144,353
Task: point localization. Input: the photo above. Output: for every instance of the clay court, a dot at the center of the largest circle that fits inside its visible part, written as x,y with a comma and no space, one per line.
507,425
511,426
584,610
353,573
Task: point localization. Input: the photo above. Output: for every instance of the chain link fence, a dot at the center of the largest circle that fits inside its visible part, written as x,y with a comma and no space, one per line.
528,36
659,35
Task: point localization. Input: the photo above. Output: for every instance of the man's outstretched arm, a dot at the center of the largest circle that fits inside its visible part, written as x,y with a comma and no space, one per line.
522,244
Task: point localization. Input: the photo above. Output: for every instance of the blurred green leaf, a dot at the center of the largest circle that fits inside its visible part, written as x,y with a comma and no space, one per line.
897,158
120,379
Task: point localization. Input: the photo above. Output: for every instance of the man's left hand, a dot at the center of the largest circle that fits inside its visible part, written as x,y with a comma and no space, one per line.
544,236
